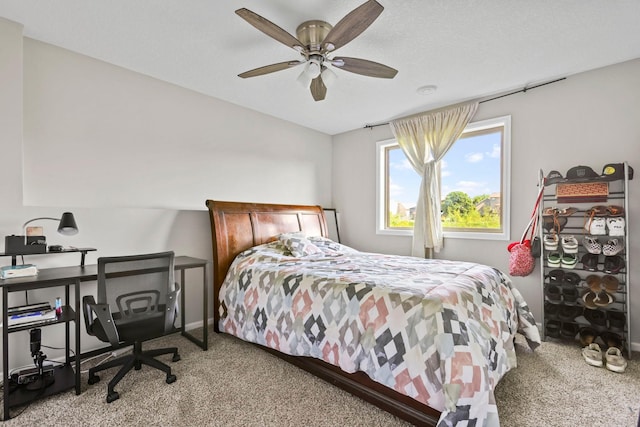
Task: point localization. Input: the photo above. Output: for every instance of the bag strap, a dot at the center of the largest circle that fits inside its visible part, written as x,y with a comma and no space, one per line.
533,222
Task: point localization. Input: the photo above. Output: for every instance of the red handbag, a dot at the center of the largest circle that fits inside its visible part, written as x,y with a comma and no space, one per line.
521,260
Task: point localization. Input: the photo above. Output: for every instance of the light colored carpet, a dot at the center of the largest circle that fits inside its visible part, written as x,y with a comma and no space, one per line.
236,384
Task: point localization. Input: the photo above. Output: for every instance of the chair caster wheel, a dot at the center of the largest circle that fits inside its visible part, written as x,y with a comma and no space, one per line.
176,357
171,379
138,366
112,396
93,379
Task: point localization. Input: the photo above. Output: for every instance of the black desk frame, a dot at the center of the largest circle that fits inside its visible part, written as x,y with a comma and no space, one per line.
74,276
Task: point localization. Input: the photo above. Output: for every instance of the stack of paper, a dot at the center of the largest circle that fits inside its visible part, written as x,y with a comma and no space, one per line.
11,271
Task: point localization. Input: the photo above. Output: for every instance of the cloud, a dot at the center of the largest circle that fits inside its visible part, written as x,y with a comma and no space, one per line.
444,168
402,165
474,157
495,153
396,190
472,188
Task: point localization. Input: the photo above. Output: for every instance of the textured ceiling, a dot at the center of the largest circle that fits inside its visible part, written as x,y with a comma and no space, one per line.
468,48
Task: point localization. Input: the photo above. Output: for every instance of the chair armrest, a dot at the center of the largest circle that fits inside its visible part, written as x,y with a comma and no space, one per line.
102,314
87,302
173,308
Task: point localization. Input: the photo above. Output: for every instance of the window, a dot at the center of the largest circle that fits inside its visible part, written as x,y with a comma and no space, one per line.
474,184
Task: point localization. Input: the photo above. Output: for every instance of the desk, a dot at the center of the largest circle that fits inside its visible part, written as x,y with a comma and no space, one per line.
66,378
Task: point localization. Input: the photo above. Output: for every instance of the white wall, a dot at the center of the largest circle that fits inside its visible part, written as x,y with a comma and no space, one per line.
592,118
135,159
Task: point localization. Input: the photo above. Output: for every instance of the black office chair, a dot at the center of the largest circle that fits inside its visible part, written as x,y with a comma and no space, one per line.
137,301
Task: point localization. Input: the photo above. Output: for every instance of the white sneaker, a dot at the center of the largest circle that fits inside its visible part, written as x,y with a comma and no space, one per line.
592,245
615,226
612,247
592,354
569,245
615,361
597,226
551,242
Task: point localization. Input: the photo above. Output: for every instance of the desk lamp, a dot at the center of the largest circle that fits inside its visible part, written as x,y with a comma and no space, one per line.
67,226
36,244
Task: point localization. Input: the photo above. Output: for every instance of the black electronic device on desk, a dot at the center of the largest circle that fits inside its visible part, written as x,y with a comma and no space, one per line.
22,245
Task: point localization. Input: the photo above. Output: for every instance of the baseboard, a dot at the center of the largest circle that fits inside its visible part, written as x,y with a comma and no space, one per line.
198,324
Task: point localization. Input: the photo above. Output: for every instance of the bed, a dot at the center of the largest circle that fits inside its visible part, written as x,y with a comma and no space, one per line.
432,360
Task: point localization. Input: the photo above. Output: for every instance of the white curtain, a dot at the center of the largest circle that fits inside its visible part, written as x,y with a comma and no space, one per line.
425,139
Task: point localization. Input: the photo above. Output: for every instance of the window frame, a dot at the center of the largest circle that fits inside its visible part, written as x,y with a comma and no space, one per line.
382,188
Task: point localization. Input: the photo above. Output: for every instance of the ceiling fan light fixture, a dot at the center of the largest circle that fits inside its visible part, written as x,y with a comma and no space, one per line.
337,63
328,77
305,78
328,47
313,68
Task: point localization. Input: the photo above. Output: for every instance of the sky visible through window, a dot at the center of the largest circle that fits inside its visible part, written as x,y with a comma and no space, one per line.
472,165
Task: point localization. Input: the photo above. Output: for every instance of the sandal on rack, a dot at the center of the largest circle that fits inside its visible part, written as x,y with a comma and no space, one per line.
567,211
596,318
554,223
553,294
611,284
571,279
617,320
590,262
615,210
587,336
569,297
599,210
556,277
611,339
594,282
613,264
588,300
603,299
553,329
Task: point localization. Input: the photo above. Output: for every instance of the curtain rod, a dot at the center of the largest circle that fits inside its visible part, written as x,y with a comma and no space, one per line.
523,90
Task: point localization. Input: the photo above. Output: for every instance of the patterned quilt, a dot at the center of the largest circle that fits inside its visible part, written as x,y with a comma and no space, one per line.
438,331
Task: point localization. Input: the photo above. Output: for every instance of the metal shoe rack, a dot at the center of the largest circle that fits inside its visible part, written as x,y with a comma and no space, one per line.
563,317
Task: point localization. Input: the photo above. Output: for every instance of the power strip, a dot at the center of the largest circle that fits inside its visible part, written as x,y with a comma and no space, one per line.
119,352
29,375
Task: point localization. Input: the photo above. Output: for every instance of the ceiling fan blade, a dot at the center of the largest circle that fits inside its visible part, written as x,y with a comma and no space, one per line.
364,67
352,25
318,89
270,69
271,29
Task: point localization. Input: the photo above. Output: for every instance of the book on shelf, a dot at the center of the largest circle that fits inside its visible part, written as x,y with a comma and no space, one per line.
23,270
29,308
31,317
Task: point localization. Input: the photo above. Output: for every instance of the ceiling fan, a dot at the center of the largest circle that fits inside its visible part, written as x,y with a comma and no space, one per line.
315,41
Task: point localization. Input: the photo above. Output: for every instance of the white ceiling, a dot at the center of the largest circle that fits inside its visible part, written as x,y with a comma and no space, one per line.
468,48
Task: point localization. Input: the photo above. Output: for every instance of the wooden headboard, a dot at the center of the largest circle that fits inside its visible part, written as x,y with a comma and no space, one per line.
237,226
